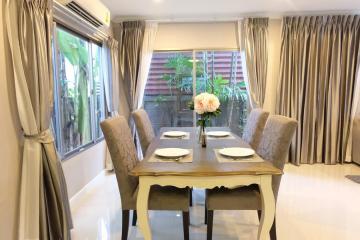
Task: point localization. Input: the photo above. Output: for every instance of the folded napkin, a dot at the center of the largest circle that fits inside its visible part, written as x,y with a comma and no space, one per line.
224,159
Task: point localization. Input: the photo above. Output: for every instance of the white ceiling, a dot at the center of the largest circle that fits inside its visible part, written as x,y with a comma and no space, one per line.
222,9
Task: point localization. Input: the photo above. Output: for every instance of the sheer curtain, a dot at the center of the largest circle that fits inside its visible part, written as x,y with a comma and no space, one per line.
44,211
111,83
253,34
145,62
319,62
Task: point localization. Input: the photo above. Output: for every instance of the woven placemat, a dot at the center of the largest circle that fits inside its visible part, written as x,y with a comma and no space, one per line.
185,137
224,159
186,159
231,136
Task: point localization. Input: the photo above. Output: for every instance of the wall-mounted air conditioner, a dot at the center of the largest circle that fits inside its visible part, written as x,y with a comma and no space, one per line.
92,11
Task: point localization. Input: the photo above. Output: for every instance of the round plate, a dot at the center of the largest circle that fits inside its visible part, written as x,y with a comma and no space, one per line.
236,152
218,134
174,134
171,152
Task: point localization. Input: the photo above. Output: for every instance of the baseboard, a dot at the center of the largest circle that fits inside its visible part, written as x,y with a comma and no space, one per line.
85,186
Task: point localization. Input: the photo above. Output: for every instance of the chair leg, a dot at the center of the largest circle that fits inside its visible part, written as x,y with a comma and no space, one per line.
191,197
210,220
259,214
134,219
273,227
273,231
205,214
125,224
186,223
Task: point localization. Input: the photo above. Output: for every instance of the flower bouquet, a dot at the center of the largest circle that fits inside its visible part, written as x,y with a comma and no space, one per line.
207,106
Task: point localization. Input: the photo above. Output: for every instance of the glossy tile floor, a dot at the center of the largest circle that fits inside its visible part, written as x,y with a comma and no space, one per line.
315,202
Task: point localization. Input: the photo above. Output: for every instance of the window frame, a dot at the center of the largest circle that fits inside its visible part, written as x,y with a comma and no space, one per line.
57,92
194,77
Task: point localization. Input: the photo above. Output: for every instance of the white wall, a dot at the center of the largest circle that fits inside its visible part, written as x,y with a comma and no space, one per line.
204,35
83,167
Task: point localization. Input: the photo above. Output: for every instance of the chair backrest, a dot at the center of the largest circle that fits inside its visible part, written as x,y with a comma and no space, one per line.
275,143
254,127
144,128
123,155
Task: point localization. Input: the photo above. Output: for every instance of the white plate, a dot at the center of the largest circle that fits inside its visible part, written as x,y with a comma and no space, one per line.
174,134
218,134
172,152
236,152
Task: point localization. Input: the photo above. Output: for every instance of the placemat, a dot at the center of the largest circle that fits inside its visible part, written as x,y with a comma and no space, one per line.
185,137
231,136
186,159
224,159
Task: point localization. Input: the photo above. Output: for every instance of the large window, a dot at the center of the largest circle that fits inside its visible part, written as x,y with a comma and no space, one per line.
175,77
79,91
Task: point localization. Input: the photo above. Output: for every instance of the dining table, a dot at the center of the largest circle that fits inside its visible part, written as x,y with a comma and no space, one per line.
203,171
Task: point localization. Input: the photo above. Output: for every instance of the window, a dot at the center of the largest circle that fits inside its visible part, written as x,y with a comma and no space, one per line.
79,91
171,85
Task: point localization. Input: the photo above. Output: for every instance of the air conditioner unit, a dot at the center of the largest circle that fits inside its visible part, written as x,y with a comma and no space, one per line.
92,11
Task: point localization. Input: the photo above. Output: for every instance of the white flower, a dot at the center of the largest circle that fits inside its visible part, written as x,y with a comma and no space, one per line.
206,102
199,104
212,103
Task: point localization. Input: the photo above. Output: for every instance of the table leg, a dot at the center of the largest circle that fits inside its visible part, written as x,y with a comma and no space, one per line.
142,208
268,207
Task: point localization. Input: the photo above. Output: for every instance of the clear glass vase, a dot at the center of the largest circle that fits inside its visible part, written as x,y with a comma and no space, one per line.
202,136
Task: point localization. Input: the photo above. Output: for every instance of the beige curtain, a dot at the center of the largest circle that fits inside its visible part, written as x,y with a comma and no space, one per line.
131,37
111,83
319,60
44,206
130,57
253,41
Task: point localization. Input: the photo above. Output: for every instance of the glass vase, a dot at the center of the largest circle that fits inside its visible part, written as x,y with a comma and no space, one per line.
202,136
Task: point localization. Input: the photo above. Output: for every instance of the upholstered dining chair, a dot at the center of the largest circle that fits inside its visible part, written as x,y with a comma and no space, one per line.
144,128
124,156
254,127
274,147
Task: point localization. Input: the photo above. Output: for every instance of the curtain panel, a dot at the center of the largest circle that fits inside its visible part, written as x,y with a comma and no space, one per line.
253,41
145,60
131,35
111,84
44,211
319,61
130,57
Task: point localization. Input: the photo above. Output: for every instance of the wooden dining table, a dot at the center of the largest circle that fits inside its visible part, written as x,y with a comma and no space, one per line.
205,171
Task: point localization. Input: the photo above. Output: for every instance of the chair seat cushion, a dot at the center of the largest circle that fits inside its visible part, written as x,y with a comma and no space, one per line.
167,198
241,198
